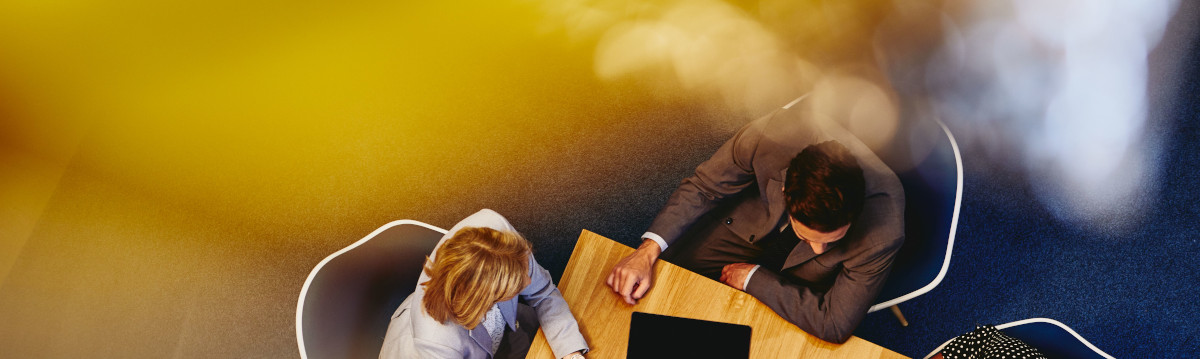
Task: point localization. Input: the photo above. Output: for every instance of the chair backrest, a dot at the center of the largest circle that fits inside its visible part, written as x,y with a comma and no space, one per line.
1049,336
933,194
347,302
1053,339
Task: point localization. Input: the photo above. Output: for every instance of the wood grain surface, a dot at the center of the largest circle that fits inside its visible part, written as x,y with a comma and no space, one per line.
604,318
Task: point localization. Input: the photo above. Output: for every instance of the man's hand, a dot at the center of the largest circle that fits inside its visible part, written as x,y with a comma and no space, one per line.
735,274
634,275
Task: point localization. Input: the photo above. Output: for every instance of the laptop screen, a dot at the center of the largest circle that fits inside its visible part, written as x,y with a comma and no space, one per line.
660,336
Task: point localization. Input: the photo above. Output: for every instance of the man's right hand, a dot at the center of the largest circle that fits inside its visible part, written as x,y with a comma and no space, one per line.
633,276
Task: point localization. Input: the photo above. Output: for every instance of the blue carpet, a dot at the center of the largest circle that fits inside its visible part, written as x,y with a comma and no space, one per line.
1131,294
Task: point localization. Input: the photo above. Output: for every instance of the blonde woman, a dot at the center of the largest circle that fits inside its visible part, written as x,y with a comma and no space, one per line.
466,302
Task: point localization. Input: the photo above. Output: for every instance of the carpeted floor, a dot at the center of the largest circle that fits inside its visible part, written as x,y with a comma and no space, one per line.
1131,294
187,191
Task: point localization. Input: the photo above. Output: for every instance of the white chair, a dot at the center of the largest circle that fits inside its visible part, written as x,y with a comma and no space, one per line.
349,297
1048,336
933,195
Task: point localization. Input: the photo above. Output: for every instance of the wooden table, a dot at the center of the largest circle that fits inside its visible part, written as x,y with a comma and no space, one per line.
604,318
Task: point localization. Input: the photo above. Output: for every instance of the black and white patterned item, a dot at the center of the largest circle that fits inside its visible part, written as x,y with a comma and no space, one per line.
985,342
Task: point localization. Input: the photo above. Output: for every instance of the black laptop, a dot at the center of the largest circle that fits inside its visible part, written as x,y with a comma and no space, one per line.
653,336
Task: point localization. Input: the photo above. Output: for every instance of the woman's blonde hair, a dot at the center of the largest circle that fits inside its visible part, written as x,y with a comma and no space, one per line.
471,271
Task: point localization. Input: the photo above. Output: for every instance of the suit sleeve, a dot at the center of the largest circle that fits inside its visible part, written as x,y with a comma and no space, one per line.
560,327
833,315
726,173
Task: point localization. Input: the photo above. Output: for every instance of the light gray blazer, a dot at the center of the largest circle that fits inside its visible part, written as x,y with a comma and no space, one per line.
826,295
413,334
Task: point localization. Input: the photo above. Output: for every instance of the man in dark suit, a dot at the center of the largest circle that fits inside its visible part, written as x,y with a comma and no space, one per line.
793,210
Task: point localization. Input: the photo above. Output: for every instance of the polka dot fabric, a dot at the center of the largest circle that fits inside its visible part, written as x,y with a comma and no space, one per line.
985,342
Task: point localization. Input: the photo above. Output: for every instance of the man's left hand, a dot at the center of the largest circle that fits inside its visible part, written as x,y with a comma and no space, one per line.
735,274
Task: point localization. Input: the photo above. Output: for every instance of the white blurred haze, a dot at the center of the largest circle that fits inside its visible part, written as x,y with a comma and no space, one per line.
712,51
1054,89
1061,88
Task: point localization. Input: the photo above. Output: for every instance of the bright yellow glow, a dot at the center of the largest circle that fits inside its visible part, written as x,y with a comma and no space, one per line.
172,170
265,109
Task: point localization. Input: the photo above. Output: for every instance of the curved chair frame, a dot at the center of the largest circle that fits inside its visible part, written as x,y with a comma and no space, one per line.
313,274
953,227
1035,320
953,230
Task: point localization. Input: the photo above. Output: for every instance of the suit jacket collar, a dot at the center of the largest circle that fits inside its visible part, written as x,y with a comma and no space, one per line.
481,338
802,252
776,205
508,309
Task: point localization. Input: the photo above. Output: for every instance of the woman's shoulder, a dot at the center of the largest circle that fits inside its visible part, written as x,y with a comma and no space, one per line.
484,218
428,329
411,332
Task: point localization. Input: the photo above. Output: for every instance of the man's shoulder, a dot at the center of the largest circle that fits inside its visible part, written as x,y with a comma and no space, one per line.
881,224
787,125
778,136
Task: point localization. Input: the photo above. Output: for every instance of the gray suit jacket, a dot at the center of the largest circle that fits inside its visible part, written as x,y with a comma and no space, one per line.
825,295
413,334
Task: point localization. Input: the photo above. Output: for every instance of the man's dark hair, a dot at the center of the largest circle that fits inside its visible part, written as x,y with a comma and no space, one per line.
824,187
